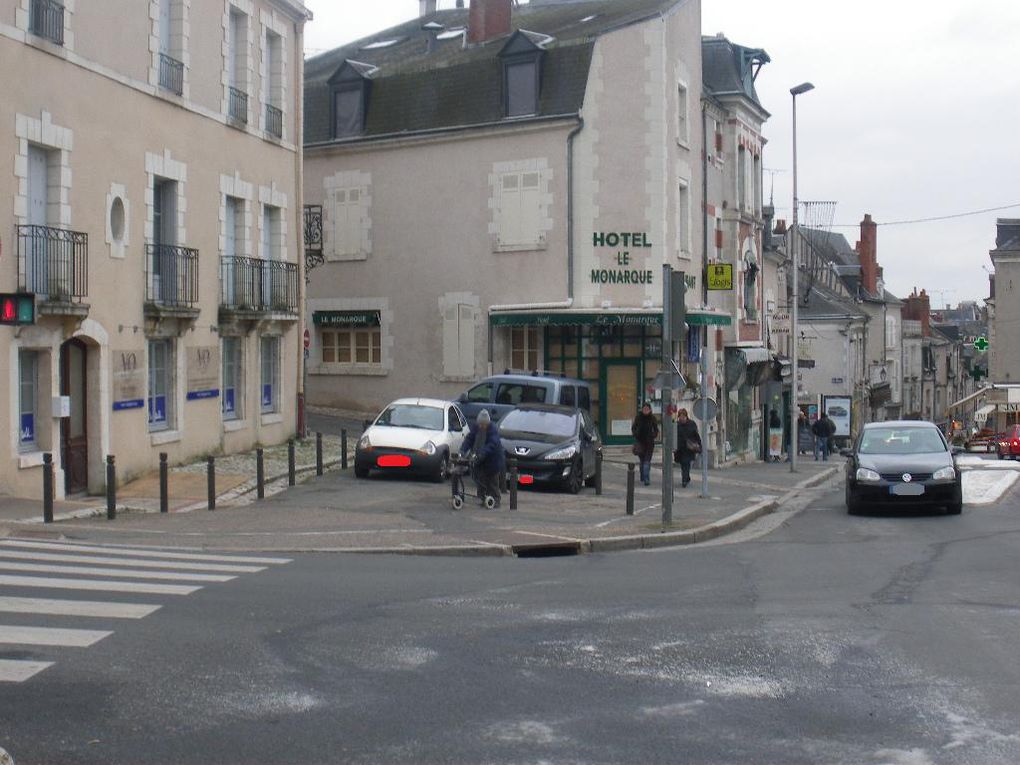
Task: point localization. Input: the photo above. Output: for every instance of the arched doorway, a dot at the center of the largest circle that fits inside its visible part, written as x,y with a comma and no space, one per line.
74,442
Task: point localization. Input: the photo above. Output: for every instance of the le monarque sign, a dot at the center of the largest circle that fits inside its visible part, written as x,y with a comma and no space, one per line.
622,274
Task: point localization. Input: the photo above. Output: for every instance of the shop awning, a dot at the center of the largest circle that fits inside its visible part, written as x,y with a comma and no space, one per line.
968,399
693,318
701,317
981,415
756,355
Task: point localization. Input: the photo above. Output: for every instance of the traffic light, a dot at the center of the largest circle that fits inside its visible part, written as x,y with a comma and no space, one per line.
17,308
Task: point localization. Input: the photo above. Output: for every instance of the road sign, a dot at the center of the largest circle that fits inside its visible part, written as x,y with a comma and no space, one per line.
720,276
308,340
981,343
705,408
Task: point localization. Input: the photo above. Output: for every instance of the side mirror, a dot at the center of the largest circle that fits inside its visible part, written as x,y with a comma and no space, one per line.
462,398
365,425
956,450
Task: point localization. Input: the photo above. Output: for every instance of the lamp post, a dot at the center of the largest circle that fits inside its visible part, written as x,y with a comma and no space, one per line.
804,87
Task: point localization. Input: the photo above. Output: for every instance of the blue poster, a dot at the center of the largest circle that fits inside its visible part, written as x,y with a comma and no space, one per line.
157,409
267,395
228,401
28,428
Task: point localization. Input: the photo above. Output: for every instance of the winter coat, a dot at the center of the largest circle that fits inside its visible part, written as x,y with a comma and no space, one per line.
645,430
491,457
686,431
824,427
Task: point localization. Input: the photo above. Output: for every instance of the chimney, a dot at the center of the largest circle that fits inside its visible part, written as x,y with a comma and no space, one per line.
866,251
426,7
1006,229
487,20
780,229
918,308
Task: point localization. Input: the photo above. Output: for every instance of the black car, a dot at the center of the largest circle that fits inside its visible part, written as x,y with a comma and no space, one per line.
552,444
902,464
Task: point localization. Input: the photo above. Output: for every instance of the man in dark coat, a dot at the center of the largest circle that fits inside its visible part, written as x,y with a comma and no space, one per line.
487,457
645,430
688,445
824,428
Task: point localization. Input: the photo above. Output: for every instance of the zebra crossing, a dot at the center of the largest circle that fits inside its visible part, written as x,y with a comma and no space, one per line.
28,565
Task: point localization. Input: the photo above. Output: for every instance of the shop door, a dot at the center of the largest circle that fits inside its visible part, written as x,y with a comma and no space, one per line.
620,392
73,433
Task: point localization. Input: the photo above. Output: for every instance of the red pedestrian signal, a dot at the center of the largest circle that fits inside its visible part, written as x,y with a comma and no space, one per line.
18,308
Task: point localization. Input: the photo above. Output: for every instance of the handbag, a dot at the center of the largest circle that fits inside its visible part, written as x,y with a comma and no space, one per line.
636,449
693,446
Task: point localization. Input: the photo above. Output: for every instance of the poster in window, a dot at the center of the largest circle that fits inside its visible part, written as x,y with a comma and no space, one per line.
27,428
267,396
128,380
157,410
228,401
203,372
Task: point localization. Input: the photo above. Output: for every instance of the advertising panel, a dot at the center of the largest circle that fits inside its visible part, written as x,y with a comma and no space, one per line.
838,409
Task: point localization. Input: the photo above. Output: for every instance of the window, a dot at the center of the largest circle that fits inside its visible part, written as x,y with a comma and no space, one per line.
683,219
348,111
520,393
480,394
232,386
757,186
519,209
171,40
568,395
521,88
28,400
161,384
524,347
274,84
682,129
741,178
270,382
890,332
237,66
459,340
348,222
46,19
352,346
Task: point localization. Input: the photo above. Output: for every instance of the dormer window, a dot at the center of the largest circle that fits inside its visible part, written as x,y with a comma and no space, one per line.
522,60
350,86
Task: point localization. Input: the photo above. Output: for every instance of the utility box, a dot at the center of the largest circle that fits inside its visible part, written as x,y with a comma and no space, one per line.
61,406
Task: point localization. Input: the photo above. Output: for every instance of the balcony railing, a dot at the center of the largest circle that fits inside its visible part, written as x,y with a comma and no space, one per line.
237,105
53,263
46,19
171,74
258,285
313,238
274,121
171,275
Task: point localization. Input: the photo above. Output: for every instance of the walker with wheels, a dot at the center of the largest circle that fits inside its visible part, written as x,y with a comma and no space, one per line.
460,466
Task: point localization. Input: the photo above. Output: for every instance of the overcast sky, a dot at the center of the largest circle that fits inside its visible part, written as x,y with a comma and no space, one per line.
914,115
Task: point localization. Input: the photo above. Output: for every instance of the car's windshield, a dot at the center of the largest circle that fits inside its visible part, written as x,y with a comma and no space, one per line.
901,441
539,426
412,416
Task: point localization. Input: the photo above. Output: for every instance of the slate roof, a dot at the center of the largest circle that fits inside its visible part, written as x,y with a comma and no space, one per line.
728,68
423,83
822,303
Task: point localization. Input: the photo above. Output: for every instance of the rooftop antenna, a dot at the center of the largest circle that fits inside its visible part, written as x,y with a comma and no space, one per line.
942,296
772,182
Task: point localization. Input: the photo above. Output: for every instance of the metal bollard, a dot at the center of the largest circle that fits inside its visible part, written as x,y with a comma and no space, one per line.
47,488
111,488
318,453
512,465
210,475
291,478
260,474
598,473
630,488
343,448
164,489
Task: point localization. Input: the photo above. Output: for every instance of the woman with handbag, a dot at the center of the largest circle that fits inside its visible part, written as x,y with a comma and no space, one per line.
688,442
645,430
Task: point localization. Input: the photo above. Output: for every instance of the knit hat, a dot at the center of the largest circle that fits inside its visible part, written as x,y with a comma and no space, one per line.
483,417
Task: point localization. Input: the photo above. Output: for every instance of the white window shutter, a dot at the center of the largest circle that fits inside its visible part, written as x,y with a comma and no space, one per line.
530,209
467,340
510,209
451,343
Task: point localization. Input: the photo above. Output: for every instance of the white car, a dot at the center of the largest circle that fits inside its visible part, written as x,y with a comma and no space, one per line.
412,435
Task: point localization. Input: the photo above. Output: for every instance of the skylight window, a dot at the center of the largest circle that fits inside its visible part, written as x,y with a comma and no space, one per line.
586,19
381,44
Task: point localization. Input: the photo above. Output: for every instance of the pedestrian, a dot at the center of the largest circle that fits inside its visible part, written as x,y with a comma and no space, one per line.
775,436
688,445
803,432
823,430
487,457
645,430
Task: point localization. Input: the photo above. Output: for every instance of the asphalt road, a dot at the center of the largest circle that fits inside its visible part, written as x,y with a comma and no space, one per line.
810,637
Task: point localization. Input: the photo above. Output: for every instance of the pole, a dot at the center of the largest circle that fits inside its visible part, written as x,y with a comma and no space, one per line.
47,491
164,489
630,488
291,463
667,398
210,475
704,421
111,488
795,263
260,474
318,453
343,448
512,464
598,473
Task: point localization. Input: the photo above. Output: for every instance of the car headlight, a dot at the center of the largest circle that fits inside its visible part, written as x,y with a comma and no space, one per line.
429,448
864,474
365,442
562,454
944,474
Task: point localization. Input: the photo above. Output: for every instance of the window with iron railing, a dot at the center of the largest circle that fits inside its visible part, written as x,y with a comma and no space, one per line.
274,121
256,284
53,262
171,74
171,275
238,105
46,19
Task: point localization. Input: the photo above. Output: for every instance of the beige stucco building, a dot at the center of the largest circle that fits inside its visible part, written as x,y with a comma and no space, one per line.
151,202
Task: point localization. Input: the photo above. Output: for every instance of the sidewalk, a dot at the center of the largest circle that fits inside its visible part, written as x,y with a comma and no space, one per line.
397,514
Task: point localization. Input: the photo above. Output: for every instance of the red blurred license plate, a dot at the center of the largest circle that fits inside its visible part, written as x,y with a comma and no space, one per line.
394,460
527,480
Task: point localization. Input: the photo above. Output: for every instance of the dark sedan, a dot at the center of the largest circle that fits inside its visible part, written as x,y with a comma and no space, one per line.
552,444
902,464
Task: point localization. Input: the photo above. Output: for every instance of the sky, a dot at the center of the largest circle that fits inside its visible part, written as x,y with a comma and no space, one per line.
914,116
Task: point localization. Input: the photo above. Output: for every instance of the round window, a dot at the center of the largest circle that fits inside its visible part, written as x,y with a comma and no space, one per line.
117,219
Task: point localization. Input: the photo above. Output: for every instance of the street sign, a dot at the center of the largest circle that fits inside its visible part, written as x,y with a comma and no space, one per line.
981,343
308,340
720,276
705,408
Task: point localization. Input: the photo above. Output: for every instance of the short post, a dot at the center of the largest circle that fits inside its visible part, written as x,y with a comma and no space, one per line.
318,453
343,448
111,488
291,478
630,488
598,473
164,489
260,474
512,465
210,474
47,488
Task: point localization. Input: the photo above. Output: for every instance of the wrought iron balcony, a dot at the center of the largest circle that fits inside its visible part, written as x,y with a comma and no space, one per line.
237,104
274,121
171,74
257,286
171,276
313,238
46,19
53,263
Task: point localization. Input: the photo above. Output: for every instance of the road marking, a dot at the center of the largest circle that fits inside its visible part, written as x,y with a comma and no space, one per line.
75,608
51,636
141,552
96,584
57,557
17,671
43,568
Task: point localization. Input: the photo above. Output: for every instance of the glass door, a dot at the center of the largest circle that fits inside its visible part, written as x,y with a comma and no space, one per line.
620,393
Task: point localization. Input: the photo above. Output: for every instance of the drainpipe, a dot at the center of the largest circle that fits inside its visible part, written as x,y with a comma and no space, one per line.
570,205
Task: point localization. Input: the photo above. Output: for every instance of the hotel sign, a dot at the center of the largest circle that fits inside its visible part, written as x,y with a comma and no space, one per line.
346,319
621,270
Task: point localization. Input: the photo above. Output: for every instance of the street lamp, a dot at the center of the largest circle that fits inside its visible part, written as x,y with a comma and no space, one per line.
804,87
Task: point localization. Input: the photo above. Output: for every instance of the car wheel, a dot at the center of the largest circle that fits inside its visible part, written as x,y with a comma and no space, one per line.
360,472
954,508
443,471
853,505
576,478
589,481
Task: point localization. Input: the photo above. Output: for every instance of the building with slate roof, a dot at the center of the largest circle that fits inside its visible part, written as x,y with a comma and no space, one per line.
499,187
1004,322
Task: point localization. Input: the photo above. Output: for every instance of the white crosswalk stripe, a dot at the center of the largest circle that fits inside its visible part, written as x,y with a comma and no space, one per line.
113,570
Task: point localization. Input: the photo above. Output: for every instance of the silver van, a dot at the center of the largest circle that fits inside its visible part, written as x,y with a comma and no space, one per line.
504,393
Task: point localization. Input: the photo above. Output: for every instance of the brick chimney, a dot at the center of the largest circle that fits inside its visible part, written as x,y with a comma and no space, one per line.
487,20
866,251
918,308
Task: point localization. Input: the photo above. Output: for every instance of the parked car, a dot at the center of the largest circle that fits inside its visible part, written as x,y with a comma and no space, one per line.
552,444
985,440
902,464
412,435
501,394
1008,445
837,411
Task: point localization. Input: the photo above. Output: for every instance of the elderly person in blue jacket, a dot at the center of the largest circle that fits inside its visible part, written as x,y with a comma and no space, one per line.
487,457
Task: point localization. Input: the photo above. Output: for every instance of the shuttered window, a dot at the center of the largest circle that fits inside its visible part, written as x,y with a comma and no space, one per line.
459,341
348,218
519,209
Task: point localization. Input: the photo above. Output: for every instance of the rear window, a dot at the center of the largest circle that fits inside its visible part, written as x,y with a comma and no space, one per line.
540,426
480,394
520,393
567,395
584,399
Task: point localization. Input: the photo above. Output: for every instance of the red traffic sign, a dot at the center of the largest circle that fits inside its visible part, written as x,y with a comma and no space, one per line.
308,340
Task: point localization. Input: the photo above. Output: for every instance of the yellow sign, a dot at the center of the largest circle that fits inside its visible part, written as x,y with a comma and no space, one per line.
720,276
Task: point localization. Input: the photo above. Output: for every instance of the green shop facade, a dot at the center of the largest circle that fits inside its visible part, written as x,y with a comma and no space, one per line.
619,353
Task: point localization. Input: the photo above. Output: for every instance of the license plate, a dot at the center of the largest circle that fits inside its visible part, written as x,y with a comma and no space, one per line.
907,489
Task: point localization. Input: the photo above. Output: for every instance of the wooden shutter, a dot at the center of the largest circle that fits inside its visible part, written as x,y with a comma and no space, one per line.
466,341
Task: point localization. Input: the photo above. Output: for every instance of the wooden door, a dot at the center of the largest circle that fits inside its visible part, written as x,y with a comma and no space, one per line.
73,430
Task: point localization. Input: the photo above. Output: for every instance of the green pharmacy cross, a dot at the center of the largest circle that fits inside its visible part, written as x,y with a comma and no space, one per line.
981,343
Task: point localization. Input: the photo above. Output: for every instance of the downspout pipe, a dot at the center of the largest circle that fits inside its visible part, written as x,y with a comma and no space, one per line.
570,205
